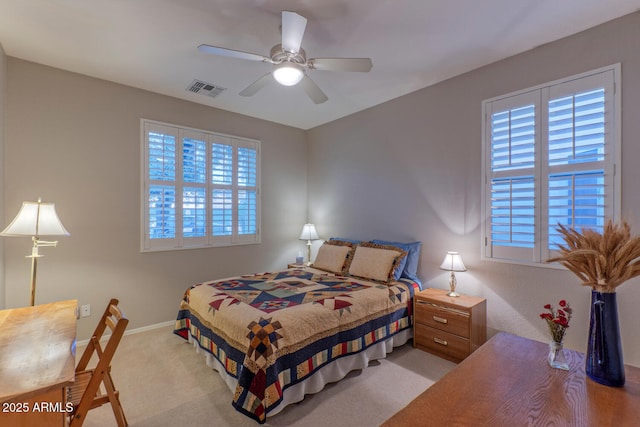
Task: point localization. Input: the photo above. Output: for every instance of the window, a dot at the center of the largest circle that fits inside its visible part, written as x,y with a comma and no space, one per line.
200,189
549,157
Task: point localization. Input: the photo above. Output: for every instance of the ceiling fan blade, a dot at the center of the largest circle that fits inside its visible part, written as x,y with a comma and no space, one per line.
293,26
215,50
312,89
256,86
362,65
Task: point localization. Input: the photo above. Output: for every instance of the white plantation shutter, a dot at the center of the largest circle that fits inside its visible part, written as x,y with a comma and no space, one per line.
234,176
577,128
512,128
162,155
247,212
550,155
201,189
512,213
578,200
580,154
194,159
194,190
222,208
513,137
222,163
248,191
162,212
161,176
194,212
222,181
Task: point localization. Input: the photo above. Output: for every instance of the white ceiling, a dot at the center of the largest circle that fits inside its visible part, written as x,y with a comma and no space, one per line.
152,44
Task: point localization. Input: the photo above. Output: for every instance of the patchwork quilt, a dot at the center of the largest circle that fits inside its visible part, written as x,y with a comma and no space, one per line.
273,330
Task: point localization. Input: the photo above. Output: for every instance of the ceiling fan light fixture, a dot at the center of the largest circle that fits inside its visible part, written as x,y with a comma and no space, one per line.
288,74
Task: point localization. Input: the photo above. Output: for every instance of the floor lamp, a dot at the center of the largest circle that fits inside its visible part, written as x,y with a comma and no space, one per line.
36,219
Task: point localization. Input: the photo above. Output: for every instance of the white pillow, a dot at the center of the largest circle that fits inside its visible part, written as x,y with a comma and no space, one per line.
331,257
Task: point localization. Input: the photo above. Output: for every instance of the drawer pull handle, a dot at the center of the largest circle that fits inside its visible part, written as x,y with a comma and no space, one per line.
440,319
439,341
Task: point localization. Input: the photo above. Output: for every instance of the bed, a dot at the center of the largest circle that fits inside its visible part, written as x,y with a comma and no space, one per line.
277,336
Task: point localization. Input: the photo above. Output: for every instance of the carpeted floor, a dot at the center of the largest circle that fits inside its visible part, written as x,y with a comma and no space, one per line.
164,382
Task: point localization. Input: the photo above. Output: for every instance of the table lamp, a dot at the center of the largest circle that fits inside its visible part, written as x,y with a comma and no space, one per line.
309,233
453,262
36,219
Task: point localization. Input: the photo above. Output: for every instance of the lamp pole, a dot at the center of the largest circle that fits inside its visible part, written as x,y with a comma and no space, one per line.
34,263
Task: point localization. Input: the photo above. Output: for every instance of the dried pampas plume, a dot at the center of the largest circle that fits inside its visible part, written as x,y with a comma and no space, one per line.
601,261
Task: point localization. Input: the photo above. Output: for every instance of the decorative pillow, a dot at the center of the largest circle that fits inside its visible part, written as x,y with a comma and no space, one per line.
376,262
341,242
332,257
345,242
409,265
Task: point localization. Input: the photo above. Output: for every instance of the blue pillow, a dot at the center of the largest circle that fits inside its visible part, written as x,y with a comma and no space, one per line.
355,242
408,265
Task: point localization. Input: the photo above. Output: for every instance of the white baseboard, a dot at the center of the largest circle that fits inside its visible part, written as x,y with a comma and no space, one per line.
133,331
150,327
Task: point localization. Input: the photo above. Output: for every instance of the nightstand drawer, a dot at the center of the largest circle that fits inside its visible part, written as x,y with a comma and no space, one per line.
446,319
437,341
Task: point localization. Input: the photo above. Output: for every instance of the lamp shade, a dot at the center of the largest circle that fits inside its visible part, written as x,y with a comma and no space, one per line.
36,219
309,232
453,262
288,74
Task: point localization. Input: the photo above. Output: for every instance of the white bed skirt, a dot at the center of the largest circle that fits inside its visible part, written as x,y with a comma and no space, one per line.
330,373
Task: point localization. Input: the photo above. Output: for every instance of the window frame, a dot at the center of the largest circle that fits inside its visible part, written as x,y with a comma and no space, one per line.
540,94
179,241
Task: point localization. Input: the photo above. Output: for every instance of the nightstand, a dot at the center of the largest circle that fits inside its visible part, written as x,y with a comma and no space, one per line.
449,327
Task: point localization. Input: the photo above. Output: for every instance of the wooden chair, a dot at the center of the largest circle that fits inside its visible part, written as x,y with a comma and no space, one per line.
86,393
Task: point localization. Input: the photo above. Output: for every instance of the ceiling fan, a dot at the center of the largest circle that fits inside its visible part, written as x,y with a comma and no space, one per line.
290,60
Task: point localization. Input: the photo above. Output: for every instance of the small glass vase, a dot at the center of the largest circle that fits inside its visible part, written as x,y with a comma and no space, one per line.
556,356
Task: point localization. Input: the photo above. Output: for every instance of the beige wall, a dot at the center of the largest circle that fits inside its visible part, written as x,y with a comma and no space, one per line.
75,141
3,97
410,169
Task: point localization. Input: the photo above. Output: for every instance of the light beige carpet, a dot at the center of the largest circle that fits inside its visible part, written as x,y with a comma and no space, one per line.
164,382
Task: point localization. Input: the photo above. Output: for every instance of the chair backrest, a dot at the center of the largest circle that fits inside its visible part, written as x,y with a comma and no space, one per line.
114,320
85,393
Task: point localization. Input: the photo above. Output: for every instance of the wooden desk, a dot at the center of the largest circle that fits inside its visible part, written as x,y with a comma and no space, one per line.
37,363
508,382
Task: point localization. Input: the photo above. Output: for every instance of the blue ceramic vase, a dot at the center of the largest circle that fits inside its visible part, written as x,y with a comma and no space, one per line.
604,362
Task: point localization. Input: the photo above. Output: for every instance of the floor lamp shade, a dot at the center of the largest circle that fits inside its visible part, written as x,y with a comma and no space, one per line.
36,219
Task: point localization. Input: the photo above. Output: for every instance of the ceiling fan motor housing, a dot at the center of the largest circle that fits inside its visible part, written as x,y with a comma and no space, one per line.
279,55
